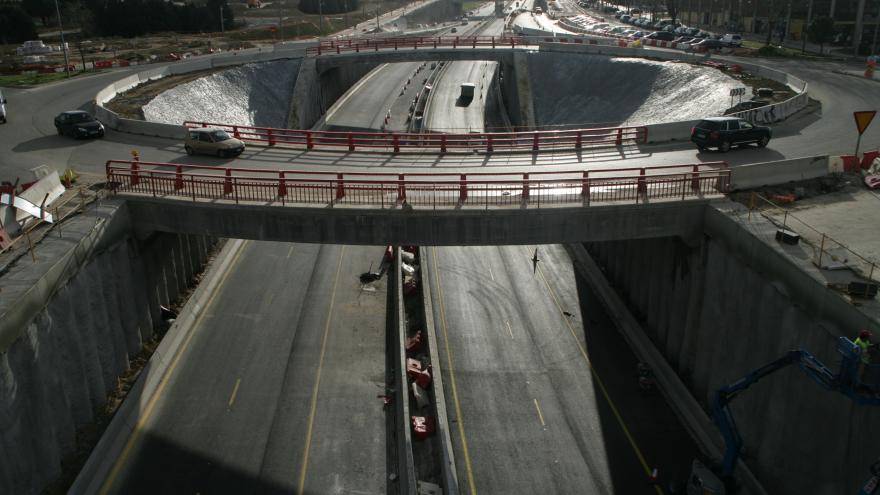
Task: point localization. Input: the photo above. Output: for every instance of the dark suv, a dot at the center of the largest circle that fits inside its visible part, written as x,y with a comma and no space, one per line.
724,132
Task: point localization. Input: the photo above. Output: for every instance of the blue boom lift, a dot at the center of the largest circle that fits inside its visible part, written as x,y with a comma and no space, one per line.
864,389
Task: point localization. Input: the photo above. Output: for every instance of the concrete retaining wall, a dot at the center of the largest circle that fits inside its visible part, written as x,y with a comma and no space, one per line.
720,308
133,126
69,324
778,172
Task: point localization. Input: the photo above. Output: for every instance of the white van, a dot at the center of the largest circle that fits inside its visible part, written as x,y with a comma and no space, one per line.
2,108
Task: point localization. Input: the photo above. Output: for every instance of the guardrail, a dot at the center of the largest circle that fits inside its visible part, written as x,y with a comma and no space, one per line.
414,43
534,141
450,190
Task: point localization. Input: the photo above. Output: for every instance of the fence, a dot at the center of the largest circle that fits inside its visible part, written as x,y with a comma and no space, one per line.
357,45
828,253
489,142
437,190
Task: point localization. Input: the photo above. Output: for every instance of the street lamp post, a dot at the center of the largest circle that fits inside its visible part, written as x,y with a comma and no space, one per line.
63,45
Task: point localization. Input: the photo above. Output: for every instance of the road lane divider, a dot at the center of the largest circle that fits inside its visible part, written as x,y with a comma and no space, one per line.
111,453
234,393
540,416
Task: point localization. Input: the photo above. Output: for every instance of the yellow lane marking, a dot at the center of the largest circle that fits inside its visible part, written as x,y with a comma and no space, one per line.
540,416
234,392
449,366
508,328
138,428
314,406
605,394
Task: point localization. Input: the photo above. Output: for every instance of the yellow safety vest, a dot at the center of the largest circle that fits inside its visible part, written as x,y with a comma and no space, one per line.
864,344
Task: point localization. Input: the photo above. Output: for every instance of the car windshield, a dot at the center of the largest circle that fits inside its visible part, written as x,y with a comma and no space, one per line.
81,117
218,136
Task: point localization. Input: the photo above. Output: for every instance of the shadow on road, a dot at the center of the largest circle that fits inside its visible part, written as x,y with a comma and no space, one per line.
48,143
652,426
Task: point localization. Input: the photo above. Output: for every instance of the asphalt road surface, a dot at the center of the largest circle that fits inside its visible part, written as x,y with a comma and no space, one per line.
542,392
276,392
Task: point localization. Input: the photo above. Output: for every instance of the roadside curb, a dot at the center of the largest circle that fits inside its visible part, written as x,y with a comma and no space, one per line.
112,443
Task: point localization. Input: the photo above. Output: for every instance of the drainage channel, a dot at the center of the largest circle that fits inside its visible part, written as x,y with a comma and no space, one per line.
425,449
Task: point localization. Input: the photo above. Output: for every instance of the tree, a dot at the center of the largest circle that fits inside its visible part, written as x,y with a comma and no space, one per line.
820,31
672,10
16,25
44,9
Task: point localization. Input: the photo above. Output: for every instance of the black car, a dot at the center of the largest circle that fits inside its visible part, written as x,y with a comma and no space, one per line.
661,36
79,124
724,132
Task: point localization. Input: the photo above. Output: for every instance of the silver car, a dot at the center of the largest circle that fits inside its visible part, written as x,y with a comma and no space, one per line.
212,142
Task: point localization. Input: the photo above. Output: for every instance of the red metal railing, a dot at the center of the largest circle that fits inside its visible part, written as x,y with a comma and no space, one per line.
487,141
328,47
582,187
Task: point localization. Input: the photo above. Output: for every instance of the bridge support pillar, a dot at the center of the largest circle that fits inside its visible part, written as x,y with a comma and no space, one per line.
443,143
642,186
282,186
227,182
178,178
340,187
585,187
309,142
350,142
489,146
270,137
462,190
578,141
695,181
135,172
619,139
525,186
535,145
396,141
401,188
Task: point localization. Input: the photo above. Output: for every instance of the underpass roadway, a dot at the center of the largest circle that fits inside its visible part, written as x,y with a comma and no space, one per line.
542,392
279,388
447,111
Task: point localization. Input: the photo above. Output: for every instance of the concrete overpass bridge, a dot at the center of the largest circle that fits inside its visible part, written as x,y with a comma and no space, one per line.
419,208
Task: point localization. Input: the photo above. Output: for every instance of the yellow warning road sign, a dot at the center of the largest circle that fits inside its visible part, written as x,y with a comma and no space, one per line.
863,120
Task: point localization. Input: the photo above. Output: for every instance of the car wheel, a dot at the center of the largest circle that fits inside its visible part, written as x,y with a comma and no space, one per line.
763,141
701,148
60,131
189,150
724,147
